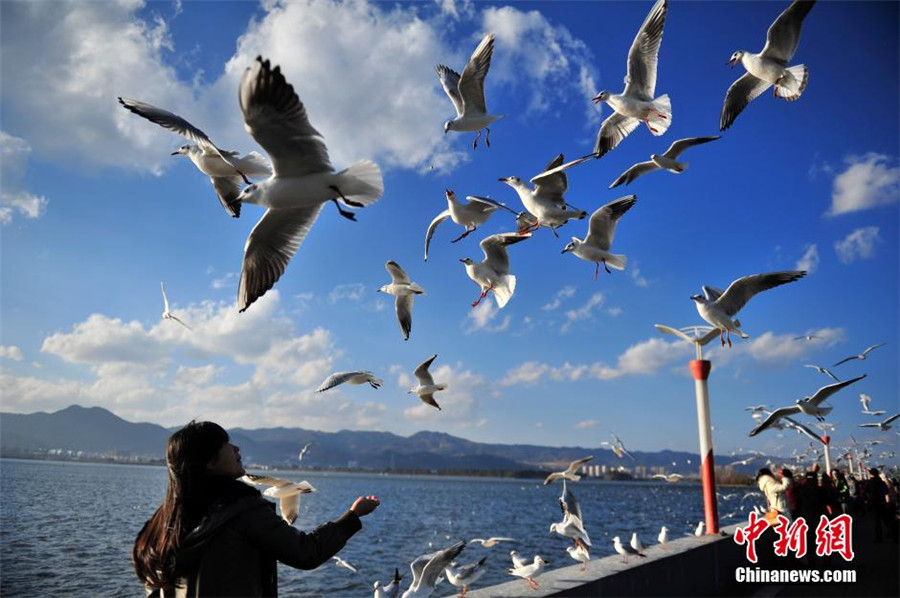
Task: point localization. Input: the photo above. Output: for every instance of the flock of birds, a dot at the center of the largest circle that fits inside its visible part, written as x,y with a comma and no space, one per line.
301,180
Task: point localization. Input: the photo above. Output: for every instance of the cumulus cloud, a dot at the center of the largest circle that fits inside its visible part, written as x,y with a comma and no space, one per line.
770,349
584,425
869,181
14,199
11,352
636,276
860,244
584,312
565,293
483,318
810,259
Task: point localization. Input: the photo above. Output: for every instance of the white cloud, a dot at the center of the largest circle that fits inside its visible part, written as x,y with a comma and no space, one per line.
636,276
860,244
772,349
869,181
482,316
584,425
354,292
810,259
229,280
615,311
584,312
11,352
14,199
565,293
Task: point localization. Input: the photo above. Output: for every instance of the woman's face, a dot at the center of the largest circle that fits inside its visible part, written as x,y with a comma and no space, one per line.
227,462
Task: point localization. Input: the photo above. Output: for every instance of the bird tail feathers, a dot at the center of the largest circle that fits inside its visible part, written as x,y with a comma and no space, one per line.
737,329
503,293
663,117
617,261
258,163
362,182
791,86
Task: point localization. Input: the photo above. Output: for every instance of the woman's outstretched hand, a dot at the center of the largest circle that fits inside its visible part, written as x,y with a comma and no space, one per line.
364,505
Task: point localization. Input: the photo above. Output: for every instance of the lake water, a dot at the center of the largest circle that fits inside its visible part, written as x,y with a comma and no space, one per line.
68,528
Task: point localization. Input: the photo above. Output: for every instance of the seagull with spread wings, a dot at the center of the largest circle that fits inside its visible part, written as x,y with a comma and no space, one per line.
404,290
807,405
428,567
862,356
572,525
570,473
355,377
426,387
665,161
492,273
884,426
287,492
470,215
822,370
545,204
166,314
601,231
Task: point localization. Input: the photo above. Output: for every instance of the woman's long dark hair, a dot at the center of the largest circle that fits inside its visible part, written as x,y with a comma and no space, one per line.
188,452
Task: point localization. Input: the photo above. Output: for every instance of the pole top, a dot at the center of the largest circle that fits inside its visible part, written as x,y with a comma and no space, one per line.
700,368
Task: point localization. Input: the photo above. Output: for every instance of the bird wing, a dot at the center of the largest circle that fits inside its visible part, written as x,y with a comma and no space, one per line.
432,227
403,305
431,569
613,130
869,425
774,417
640,81
711,293
422,374
398,275
680,145
801,428
552,181
290,507
264,480
743,91
573,466
639,169
162,286
228,188
783,35
487,201
494,249
180,322
890,419
602,226
271,245
568,502
872,348
471,83
333,380
450,82
846,359
741,290
277,120
826,391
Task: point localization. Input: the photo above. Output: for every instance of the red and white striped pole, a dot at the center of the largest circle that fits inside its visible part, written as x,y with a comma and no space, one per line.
700,368
826,440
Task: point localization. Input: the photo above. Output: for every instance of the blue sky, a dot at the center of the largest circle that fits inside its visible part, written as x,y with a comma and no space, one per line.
96,213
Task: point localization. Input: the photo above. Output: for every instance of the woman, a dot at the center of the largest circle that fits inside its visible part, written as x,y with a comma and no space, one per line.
775,491
216,536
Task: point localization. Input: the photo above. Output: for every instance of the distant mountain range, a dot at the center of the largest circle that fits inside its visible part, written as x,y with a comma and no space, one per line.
96,431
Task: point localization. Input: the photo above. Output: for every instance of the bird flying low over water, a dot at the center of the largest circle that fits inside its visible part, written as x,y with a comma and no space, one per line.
466,91
601,231
490,542
302,182
339,562
570,473
665,161
719,307
862,356
492,273
426,387
470,215
303,451
807,405
405,290
357,377
226,170
286,491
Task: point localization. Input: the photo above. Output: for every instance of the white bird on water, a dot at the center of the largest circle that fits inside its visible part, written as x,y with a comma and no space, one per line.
471,215
668,160
226,170
770,66
636,104
492,273
528,572
392,590
601,232
719,307
466,91
427,568
545,204
356,377
166,314
861,356
570,473
426,387
806,405
286,491
302,182
405,290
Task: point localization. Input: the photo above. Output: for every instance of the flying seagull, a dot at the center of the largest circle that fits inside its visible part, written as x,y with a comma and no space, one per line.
570,473
404,290
822,370
666,161
861,356
428,567
426,387
545,204
286,491
356,377
718,307
770,66
166,314
572,525
492,273
490,542
303,451
601,231
226,170
471,215
806,405
302,182
339,562
808,337
466,91
865,400
636,104
884,426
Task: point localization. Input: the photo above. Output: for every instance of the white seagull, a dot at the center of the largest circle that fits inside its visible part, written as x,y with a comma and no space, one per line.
427,568
426,387
492,273
666,161
339,562
807,405
517,561
405,290
571,525
770,66
601,230
808,337
166,314
392,590
466,91
545,204
570,473
671,478
303,451
636,543
529,571
822,370
302,182
718,307
884,426
699,530
580,554
465,575
471,215
625,550
636,104
357,377
286,491
663,537
865,400
226,170
861,356
491,542
618,447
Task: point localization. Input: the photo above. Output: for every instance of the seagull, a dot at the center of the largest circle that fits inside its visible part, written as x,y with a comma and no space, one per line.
226,170
358,377
428,567
166,314
718,308
808,337
465,575
756,408
636,103
492,273
618,447
426,387
471,215
699,530
529,571
303,451
467,92
770,66
405,291
865,400
666,161
861,356
636,543
601,231
392,590
490,542
545,203
570,473
663,537
822,370
302,182
884,426
795,425
580,554
746,461
571,525
807,405
517,561
339,562
625,550
671,478
286,491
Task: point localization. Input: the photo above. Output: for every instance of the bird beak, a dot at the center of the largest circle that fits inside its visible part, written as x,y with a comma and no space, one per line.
175,153
463,261
503,180
596,99
731,62
565,250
